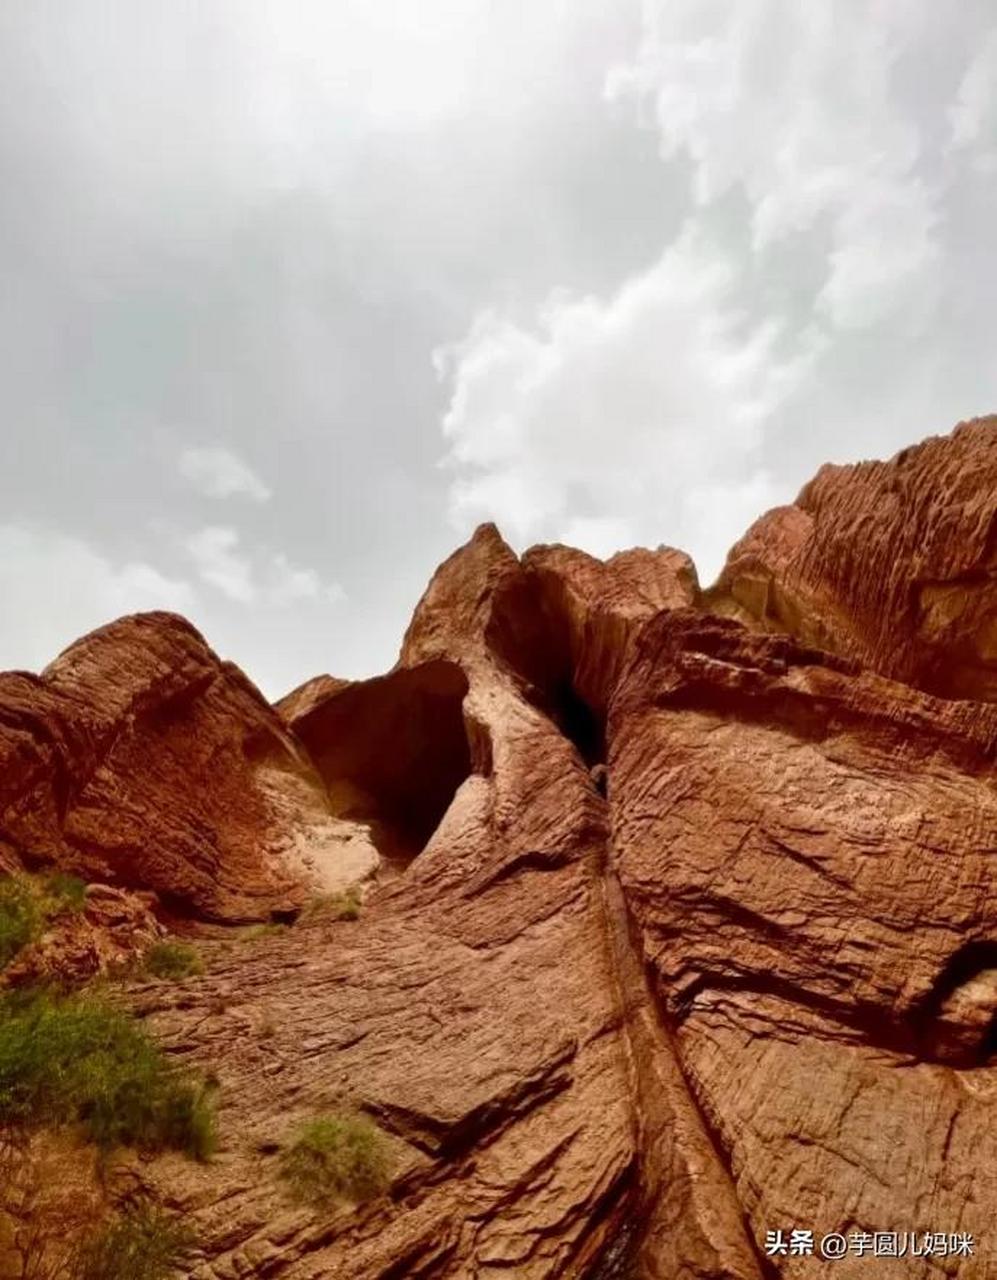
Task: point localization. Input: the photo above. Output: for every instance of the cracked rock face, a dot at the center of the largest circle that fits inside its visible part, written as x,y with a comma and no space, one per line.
140,759
679,923
893,563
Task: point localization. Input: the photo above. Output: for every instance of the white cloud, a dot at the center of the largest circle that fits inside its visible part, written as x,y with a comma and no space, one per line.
825,287
973,115
55,588
600,424
268,579
278,210
214,551
290,583
795,105
219,473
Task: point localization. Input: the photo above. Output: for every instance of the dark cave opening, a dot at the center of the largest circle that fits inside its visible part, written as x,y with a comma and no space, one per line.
618,1260
530,633
987,1048
392,752
956,1022
577,721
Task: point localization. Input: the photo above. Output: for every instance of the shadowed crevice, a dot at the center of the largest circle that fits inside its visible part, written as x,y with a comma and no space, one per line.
391,751
619,1259
529,632
956,1022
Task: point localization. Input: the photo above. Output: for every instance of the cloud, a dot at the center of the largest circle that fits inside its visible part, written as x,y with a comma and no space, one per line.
272,580
219,473
279,211
822,298
56,587
604,421
973,115
214,551
290,583
795,106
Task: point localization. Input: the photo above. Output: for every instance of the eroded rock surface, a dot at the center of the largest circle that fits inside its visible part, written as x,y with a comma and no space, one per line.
110,930
140,759
689,933
893,563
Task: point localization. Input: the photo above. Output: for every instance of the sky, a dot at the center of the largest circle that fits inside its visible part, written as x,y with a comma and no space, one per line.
296,294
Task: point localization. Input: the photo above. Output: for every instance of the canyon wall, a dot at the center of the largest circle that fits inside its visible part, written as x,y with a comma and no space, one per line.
678,923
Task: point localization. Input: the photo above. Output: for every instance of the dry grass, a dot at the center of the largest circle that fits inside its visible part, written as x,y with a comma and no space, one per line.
337,1157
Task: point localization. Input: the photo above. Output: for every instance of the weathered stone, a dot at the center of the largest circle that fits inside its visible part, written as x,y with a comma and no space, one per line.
112,929
893,563
140,759
690,932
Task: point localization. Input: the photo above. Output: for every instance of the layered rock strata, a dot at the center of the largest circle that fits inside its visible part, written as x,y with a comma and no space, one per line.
140,759
892,563
680,926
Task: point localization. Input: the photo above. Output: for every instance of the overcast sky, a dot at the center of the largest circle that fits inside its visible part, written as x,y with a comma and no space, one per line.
296,293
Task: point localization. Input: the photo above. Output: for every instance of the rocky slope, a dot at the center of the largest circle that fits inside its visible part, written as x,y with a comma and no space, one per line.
890,562
140,758
678,924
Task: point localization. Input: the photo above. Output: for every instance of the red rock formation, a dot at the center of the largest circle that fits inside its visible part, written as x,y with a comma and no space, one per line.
806,853
138,758
113,929
691,934
893,563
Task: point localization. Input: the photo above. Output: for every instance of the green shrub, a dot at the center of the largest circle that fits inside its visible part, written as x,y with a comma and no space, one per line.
75,1059
64,893
145,1244
27,903
341,906
267,930
20,917
173,960
338,1157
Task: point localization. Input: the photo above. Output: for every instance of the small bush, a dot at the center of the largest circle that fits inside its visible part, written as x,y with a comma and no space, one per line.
339,1157
267,930
64,893
173,960
27,903
20,917
144,1244
75,1059
341,906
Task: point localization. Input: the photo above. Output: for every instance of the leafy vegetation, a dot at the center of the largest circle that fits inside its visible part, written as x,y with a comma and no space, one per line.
20,917
173,960
74,1059
27,903
145,1244
62,892
337,1157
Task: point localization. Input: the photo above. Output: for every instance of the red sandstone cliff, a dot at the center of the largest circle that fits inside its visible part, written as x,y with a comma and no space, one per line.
680,923
892,563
